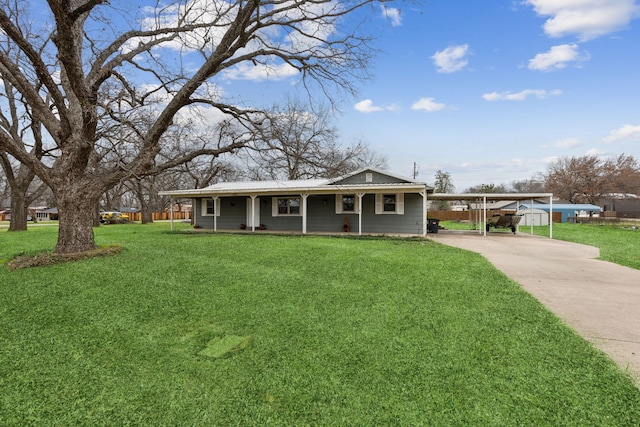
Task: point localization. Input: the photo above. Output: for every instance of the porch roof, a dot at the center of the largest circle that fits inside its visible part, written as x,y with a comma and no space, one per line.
273,188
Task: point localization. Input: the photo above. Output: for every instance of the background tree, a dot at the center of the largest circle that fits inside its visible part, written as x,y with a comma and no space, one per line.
488,188
298,142
532,185
81,55
588,179
5,198
443,184
19,125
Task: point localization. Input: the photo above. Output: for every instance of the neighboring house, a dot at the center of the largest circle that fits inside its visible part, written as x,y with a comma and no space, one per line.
40,213
622,206
50,214
568,210
367,201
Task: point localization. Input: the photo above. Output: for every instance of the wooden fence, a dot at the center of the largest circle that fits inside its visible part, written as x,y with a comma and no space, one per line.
160,216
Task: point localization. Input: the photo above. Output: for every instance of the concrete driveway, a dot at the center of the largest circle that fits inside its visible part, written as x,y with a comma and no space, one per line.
598,299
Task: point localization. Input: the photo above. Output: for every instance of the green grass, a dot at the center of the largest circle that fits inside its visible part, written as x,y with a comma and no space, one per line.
221,329
617,244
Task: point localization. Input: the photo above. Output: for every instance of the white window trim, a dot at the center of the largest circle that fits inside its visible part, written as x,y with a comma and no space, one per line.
380,204
274,206
339,208
203,207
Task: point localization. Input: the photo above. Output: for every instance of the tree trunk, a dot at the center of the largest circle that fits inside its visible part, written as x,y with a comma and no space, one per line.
76,211
147,213
18,212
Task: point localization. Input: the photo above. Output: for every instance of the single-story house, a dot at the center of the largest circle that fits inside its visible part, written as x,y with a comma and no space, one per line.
367,201
50,214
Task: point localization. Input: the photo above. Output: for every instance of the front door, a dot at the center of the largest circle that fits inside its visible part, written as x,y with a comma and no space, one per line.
253,221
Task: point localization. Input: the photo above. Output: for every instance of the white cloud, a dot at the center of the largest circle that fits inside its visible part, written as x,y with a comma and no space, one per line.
588,19
520,96
451,59
427,104
551,159
556,58
595,152
567,143
366,106
392,14
625,133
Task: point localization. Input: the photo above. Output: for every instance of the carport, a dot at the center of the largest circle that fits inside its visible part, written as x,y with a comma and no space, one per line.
481,199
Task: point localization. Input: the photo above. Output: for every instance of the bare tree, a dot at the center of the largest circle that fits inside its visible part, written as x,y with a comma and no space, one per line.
87,55
20,126
588,179
488,188
298,142
532,185
623,173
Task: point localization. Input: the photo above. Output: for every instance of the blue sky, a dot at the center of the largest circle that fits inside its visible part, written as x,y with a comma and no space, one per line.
492,91
489,91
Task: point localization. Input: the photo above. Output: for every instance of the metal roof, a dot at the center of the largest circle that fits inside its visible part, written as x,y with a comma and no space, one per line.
307,186
489,196
563,206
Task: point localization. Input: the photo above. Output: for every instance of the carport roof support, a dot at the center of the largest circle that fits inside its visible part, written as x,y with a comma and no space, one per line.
498,196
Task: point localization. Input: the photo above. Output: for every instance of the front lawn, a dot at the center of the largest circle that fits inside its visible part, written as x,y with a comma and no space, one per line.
618,244
253,330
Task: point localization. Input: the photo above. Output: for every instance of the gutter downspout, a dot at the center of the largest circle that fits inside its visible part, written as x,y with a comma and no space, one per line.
424,212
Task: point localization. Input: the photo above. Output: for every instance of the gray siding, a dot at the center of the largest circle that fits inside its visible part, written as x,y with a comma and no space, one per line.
321,216
377,178
233,212
409,223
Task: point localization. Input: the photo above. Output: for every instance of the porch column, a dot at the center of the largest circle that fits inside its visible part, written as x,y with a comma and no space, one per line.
304,213
359,196
531,230
551,216
171,212
478,216
215,213
484,215
253,211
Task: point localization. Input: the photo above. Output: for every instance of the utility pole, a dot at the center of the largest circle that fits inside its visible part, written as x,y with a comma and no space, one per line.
415,170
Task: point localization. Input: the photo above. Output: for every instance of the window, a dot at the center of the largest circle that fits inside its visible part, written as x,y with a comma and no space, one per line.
207,207
286,206
346,203
390,204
